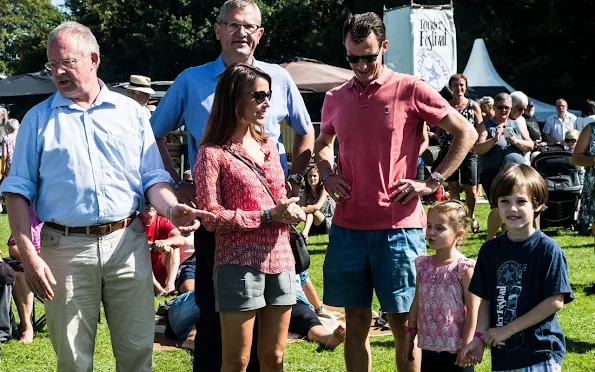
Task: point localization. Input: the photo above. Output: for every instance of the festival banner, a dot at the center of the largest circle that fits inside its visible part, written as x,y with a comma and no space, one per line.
422,42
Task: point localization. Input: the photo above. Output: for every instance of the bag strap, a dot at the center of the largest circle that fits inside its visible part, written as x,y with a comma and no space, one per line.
257,171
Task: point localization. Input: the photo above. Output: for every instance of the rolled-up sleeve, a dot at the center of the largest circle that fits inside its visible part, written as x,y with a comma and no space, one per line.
151,165
299,118
24,170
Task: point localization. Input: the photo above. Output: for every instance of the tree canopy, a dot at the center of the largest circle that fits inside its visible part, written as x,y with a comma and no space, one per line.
25,25
537,46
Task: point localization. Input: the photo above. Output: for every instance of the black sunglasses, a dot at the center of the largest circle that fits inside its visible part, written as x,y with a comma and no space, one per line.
367,58
570,140
260,95
503,107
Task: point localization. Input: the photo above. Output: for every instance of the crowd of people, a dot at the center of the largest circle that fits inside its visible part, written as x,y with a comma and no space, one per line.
100,214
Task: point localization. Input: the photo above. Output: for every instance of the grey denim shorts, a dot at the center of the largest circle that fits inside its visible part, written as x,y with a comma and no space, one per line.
244,288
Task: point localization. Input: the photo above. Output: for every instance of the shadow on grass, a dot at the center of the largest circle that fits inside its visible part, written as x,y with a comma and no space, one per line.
579,347
316,251
588,290
579,246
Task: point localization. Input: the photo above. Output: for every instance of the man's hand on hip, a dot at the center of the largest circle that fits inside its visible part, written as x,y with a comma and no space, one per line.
186,194
39,277
186,218
405,189
337,188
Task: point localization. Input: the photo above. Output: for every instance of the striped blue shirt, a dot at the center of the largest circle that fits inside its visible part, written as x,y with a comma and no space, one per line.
190,98
85,167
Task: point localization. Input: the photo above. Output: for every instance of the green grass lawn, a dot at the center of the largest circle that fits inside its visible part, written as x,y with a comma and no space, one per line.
577,320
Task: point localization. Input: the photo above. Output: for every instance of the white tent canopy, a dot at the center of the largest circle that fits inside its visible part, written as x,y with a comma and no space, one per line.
480,73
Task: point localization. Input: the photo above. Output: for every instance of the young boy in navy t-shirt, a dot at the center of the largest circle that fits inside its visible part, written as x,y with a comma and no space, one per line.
522,278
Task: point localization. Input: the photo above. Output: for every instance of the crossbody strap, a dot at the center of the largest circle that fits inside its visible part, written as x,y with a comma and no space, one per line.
258,172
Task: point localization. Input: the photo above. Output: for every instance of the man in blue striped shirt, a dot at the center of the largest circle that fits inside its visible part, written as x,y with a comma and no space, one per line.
86,157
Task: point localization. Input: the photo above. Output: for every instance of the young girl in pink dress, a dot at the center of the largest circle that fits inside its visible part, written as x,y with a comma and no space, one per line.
444,313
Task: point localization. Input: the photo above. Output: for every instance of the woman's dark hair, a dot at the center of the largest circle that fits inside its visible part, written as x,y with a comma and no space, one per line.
236,82
307,186
588,108
456,77
360,26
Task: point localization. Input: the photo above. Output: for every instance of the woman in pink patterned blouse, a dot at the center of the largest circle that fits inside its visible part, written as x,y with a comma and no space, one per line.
444,312
254,265
12,126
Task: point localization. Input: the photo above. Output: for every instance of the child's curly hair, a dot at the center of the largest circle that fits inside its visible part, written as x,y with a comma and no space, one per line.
459,219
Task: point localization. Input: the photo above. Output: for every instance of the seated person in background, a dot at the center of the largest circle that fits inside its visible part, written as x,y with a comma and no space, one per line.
164,239
8,329
183,313
304,316
23,296
317,204
187,270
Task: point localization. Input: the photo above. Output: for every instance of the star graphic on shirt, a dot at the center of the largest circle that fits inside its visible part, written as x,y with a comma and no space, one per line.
508,276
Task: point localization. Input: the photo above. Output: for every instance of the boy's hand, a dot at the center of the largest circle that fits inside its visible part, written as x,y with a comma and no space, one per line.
494,336
471,353
408,351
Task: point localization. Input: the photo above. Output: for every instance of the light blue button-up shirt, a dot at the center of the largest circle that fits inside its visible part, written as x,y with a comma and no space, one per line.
85,167
190,98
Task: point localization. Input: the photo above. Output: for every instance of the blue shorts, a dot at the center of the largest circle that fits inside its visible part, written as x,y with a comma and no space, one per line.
186,271
360,261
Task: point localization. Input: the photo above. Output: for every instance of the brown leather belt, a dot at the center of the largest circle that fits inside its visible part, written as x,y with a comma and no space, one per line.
93,230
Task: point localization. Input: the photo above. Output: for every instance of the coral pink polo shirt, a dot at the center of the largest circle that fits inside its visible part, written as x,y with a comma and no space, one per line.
379,129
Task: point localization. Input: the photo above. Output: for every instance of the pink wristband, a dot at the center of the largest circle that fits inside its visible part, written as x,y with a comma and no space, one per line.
413,331
478,335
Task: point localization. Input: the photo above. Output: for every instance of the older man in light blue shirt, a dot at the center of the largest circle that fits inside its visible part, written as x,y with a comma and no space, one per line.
86,158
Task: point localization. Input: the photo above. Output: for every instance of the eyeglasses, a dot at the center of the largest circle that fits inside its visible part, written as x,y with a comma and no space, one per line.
235,27
570,140
65,64
369,58
521,109
503,108
260,95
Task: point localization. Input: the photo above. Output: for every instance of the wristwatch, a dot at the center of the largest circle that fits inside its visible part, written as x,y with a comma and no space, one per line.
297,178
436,177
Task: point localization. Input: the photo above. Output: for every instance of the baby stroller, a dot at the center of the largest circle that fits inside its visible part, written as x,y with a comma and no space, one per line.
563,185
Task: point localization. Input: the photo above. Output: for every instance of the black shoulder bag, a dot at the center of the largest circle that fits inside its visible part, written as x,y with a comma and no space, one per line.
296,239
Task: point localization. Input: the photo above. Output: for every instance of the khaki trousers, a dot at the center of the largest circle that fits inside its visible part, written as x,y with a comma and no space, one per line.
113,269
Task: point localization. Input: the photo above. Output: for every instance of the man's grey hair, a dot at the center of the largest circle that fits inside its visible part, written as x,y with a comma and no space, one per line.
12,125
519,99
85,40
238,4
502,97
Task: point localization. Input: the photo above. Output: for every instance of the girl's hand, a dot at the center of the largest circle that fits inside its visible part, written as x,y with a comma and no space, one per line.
408,351
471,353
494,336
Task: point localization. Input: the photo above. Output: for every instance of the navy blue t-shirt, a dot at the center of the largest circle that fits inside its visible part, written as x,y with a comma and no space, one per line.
515,277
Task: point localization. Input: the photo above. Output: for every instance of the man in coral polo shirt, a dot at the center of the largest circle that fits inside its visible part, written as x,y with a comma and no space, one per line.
378,118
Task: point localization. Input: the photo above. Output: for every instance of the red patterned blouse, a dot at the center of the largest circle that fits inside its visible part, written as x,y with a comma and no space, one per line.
228,188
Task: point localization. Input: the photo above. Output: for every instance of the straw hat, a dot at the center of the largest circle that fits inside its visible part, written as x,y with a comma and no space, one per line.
140,83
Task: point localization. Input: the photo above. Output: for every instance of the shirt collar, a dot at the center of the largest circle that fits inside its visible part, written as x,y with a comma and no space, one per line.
383,78
219,66
104,96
